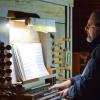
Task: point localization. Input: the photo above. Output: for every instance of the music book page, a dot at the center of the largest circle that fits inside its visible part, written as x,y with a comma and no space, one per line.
30,60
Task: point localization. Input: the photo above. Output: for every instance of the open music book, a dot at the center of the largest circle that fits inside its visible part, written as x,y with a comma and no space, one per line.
29,63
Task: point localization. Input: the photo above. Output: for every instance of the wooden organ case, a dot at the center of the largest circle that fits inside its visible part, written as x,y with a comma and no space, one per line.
57,47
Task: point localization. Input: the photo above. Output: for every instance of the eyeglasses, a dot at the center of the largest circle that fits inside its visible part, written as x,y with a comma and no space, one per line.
91,26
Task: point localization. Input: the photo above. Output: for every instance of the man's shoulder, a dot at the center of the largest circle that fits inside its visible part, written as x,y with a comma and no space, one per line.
97,47
96,51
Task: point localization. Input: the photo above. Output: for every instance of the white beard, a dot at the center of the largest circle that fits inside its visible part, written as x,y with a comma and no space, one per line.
90,38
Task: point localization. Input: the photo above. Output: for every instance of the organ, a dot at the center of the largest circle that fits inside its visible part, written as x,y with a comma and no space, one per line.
56,46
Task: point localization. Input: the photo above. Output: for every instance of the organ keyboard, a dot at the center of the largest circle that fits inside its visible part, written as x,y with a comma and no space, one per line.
42,93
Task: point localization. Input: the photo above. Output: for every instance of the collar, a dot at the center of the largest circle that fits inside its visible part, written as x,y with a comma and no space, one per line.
95,42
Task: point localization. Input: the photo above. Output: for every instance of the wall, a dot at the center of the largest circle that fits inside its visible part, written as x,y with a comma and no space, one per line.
81,12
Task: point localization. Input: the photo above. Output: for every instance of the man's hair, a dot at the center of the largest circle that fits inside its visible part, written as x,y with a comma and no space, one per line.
96,15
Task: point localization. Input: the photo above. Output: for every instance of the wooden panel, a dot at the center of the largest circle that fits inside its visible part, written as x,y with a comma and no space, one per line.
79,62
18,97
43,9
3,8
61,2
76,64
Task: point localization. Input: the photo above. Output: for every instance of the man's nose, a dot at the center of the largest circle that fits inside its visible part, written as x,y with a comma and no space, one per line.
86,28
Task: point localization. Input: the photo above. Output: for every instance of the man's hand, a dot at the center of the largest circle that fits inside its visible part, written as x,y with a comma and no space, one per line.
61,86
64,94
57,86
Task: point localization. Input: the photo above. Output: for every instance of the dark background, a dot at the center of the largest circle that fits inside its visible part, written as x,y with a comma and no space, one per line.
81,12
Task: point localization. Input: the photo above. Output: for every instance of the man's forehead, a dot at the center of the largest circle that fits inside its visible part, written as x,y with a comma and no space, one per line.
91,19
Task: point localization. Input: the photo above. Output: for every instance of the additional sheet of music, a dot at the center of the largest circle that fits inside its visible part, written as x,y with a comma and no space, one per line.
30,60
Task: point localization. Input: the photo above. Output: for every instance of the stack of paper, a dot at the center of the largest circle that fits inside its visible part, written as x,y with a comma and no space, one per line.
29,63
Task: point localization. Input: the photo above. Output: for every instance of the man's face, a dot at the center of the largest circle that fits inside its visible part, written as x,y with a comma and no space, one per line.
90,28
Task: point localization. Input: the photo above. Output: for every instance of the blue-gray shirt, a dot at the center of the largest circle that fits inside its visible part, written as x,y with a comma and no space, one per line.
87,85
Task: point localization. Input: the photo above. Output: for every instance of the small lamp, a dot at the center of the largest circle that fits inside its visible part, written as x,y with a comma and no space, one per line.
42,25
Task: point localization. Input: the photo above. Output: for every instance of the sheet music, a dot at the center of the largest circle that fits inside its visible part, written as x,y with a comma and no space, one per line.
31,60
17,65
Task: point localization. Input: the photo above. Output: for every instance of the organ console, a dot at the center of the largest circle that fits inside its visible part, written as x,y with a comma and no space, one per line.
37,93
42,93
9,91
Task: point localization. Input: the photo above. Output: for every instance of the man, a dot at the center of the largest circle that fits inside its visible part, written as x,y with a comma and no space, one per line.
87,85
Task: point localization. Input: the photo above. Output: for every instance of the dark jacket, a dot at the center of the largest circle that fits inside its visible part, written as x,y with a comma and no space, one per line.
87,85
